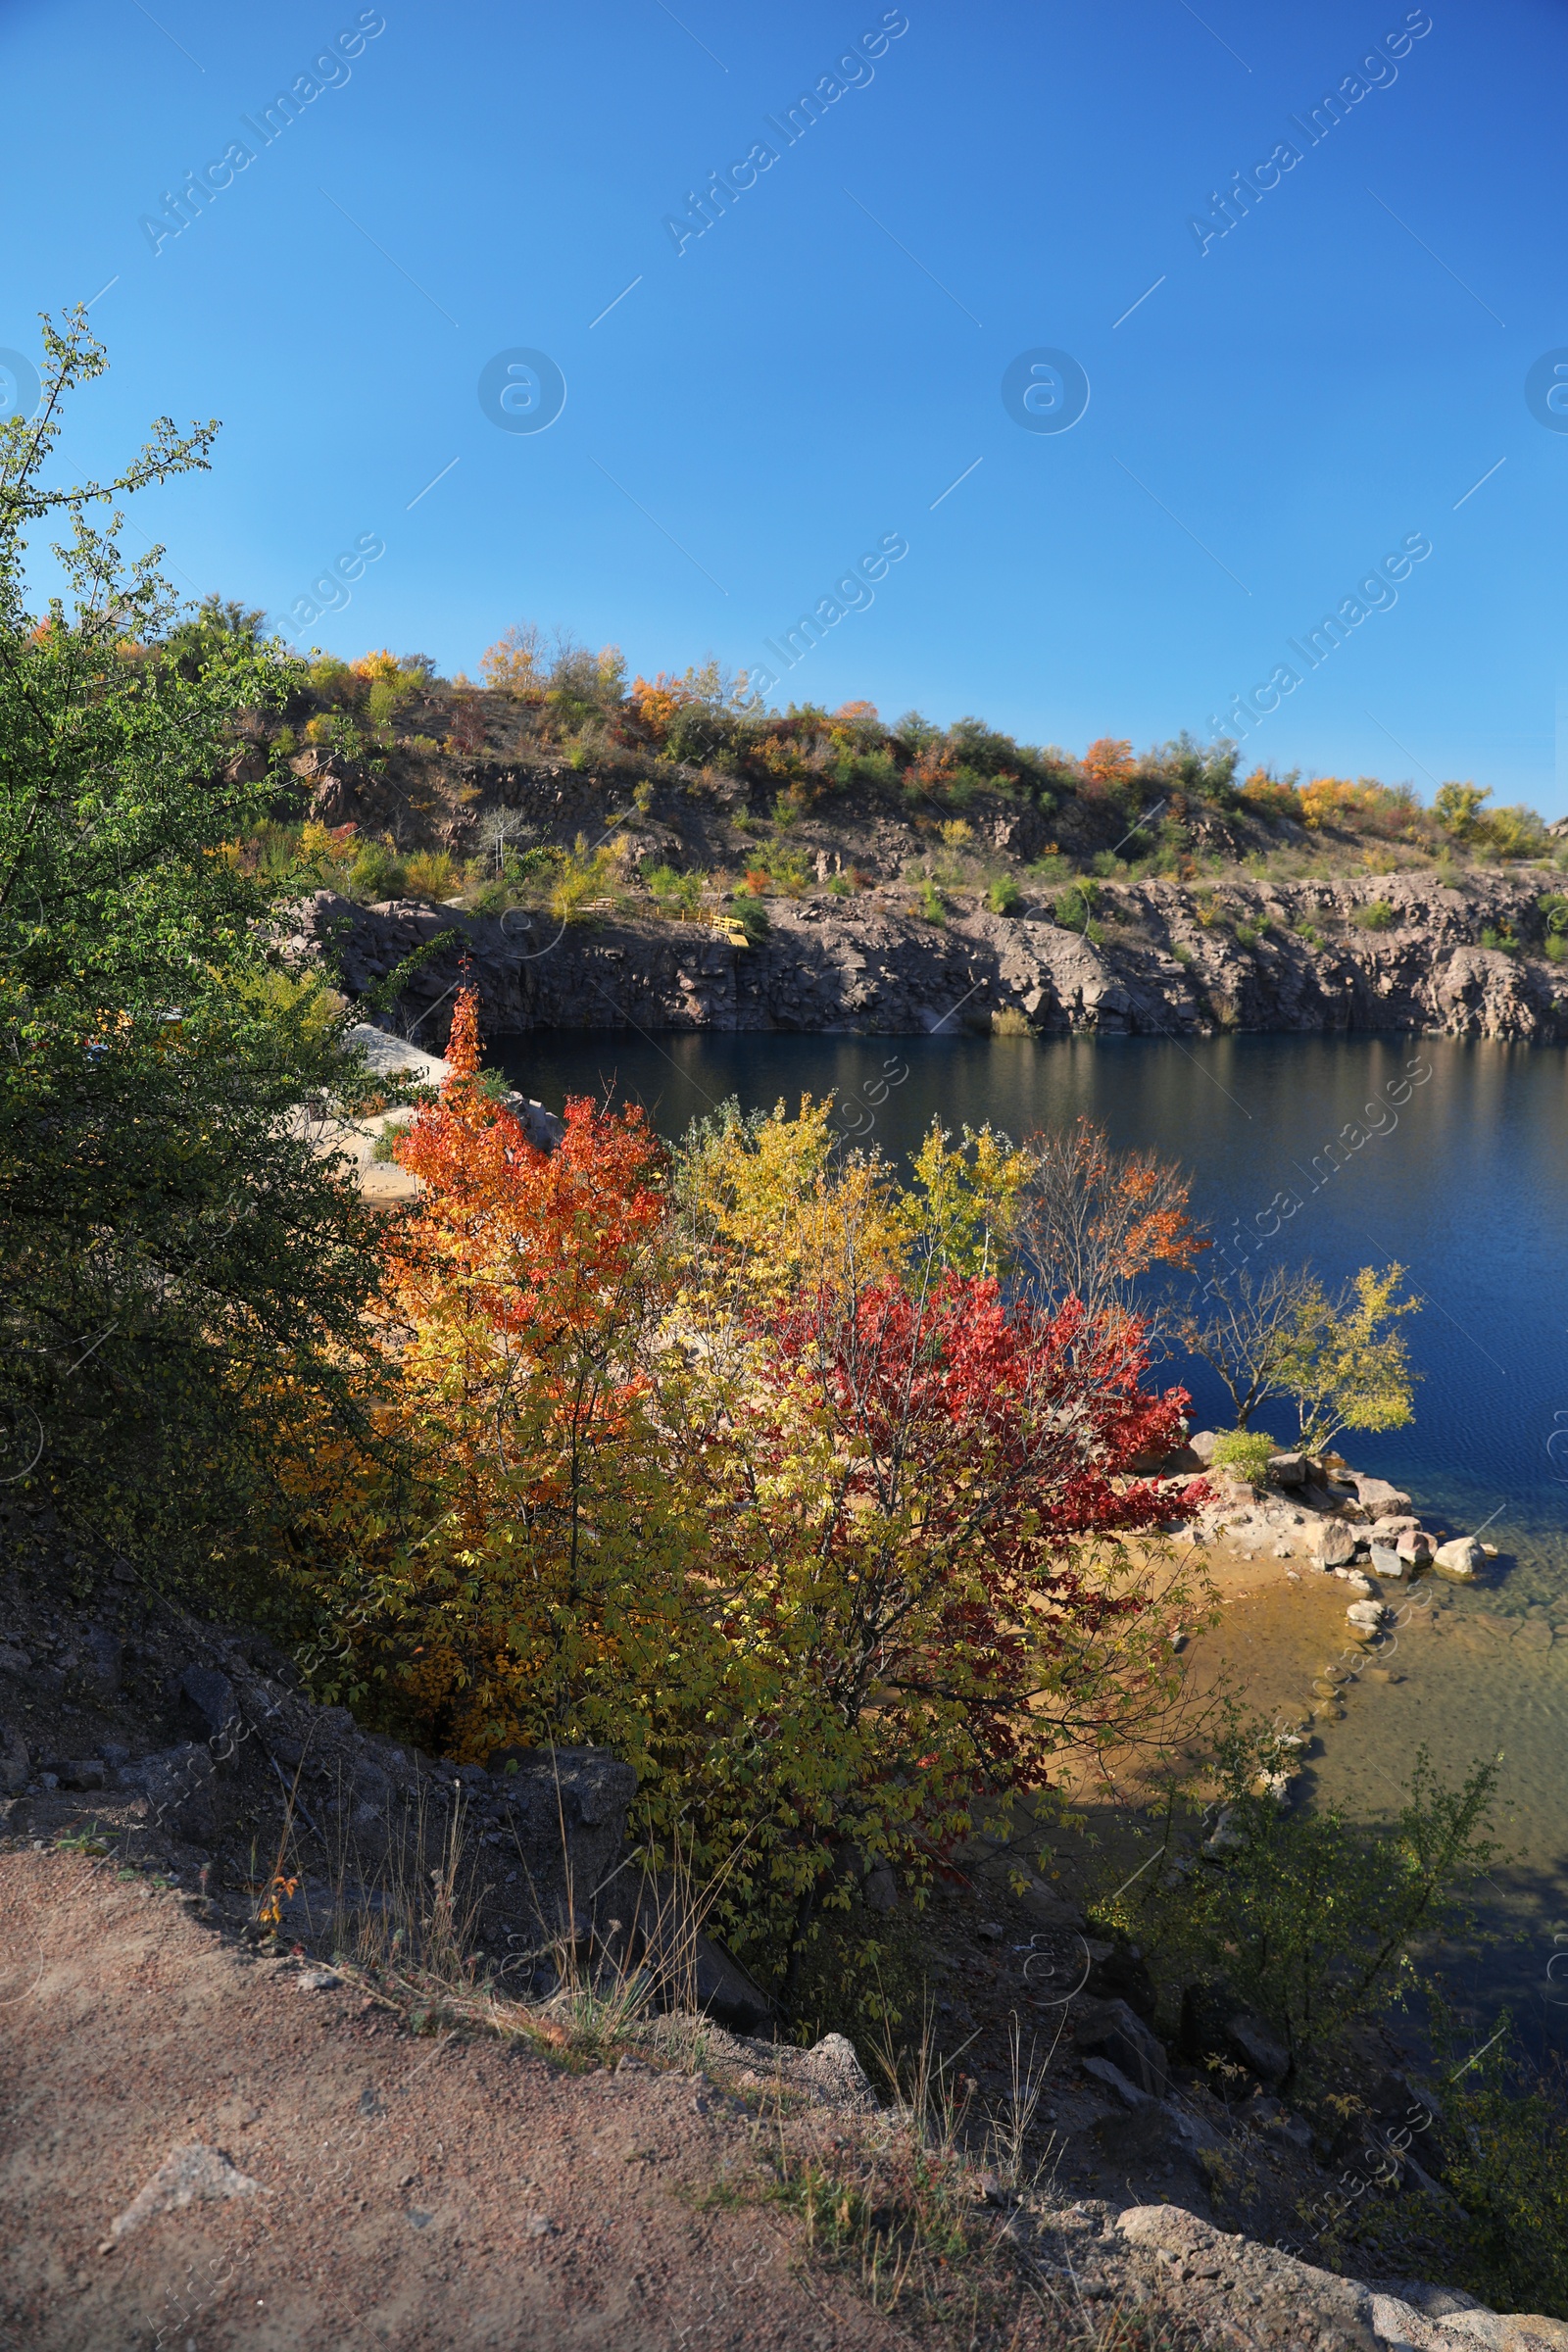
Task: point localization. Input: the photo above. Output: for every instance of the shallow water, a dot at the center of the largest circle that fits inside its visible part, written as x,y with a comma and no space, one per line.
1451,1158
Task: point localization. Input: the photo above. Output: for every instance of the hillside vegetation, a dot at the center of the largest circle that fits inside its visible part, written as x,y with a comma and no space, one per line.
690,797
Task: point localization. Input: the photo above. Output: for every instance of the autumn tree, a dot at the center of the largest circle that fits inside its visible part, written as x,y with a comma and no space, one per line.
916,1492
1093,1222
528,1587
1108,762
1340,1359
916,1500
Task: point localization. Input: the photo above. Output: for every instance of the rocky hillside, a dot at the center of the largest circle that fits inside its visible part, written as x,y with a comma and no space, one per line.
1154,957
674,856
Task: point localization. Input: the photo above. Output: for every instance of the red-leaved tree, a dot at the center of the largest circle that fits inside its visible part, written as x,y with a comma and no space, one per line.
917,1516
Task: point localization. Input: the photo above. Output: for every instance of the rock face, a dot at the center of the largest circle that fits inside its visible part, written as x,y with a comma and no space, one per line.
1164,964
568,1811
1268,2298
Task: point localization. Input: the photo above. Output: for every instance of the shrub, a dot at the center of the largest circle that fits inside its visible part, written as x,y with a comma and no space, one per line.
956,831
1005,897
841,886
676,893
1249,1450
1505,2158
1503,942
378,873
1073,906
931,903
1374,914
432,873
752,917
174,1246
1303,1917
585,875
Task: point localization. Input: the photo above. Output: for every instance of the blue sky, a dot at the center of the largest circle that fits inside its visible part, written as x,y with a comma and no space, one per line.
1289,404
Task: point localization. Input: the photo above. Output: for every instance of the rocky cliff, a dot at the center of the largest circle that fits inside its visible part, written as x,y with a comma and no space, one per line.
1399,951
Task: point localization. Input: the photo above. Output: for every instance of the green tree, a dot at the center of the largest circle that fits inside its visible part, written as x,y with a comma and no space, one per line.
1340,1359
211,633
1346,1366
1310,1919
175,1243
1457,809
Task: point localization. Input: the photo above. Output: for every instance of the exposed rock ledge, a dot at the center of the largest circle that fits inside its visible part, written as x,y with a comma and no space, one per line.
870,965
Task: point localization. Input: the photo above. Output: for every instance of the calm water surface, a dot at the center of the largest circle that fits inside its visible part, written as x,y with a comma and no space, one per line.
1464,1183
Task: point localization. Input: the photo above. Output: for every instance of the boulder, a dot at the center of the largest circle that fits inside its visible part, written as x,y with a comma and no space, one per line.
1366,1615
1247,2038
210,1695
567,1812
1121,1974
1287,1469
1386,1559
1115,2031
1250,2294
1463,1559
1379,1495
1414,1547
1111,2077
177,1784
1202,1443
725,1990
1337,1545
101,1663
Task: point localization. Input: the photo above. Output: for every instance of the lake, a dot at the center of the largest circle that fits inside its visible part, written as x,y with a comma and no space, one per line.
1451,1158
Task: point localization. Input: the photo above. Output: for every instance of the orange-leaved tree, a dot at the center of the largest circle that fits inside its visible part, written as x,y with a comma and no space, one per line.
1095,1221
532,1589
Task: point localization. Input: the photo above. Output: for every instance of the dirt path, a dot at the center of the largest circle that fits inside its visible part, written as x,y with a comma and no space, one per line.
410,2191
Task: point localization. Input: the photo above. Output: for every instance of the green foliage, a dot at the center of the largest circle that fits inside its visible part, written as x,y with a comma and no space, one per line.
1005,897
841,886
216,633
1345,1365
1505,2158
1376,915
1309,1920
1075,905
674,893
752,915
174,1245
932,903
1503,942
1247,1451
378,873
